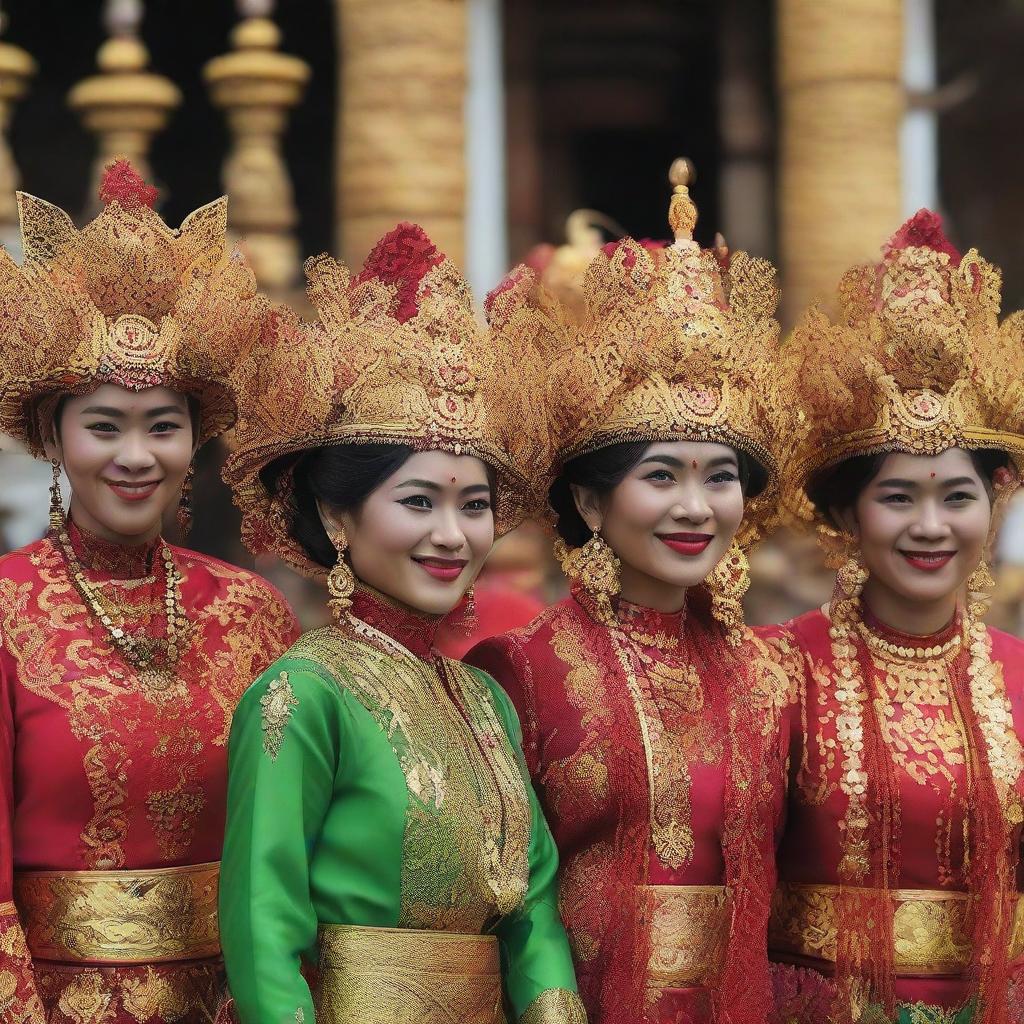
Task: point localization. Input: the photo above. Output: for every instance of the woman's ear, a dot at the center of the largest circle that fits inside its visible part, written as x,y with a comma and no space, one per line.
846,520
50,437
589,505
335,522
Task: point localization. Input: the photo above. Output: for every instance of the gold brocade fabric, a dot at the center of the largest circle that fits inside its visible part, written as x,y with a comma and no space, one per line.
467,834
555,1006
120,917
689,930
929,931
407,976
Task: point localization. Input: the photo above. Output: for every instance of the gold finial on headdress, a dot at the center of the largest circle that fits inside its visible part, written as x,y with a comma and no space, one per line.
682,212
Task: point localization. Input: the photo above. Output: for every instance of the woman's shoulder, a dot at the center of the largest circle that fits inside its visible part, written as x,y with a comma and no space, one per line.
242,584
811,625
299,670
24,563
526,641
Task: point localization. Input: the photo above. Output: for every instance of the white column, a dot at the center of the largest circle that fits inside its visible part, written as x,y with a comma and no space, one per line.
486,199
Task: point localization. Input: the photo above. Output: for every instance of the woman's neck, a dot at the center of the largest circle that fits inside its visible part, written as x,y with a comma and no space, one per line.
916,618
90,524
648,592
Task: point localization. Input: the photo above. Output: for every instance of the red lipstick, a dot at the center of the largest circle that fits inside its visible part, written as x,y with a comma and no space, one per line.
132,491
689,544
928,561
444,569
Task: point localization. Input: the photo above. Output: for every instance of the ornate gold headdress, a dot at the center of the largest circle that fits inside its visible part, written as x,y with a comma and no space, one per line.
916,360
671,343
397,355
126,300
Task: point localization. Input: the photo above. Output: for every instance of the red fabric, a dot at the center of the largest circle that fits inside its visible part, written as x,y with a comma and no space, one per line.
415,631
499,608
584,747
123,184
95,773
403,257
904,849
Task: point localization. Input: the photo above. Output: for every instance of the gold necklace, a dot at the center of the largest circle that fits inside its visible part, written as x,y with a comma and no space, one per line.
885,647
140,654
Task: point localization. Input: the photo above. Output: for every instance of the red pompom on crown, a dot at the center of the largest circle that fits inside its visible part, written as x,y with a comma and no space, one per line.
403,257
924,231
123,184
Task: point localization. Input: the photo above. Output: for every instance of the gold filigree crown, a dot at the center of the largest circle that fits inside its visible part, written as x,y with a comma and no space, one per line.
669,343
915,360
126,300
397,355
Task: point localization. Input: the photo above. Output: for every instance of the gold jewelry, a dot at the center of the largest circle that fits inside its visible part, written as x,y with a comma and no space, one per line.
56,501
851,576
596,568
728,582
884,647
141,654
980,585
340,580
184,514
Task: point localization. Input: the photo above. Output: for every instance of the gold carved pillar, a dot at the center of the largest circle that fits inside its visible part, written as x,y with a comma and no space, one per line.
841,108
125,105
16,68
256,86
401,135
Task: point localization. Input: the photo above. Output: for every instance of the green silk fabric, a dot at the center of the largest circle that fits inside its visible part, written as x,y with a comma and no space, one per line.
315,829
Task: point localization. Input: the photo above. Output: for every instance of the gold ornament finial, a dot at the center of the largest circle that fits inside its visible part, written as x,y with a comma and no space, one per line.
682,213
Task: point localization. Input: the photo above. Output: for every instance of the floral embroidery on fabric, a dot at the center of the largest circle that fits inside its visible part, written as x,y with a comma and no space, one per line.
276,711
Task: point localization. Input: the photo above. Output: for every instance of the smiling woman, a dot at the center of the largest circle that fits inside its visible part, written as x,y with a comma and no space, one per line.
381,823
651,714
899,863
121,656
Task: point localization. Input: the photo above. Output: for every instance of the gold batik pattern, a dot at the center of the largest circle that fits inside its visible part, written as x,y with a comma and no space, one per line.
555,1006
467,831
129,731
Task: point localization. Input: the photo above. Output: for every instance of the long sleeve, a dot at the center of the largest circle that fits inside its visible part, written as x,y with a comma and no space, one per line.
283,757
19,1000
540,982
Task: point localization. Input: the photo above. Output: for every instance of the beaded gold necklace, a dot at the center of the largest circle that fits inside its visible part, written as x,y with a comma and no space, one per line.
154,659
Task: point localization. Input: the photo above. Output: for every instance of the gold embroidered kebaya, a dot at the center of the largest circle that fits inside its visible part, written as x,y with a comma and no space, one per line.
126,300
276,706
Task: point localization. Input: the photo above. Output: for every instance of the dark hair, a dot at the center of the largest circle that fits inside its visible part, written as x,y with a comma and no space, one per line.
342,476
839,486
604,469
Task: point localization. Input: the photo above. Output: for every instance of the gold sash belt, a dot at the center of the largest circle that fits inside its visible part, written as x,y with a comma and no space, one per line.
120,917
380,975
689,931
928,929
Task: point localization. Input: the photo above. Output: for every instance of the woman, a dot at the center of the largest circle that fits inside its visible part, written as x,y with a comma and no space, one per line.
899,860
651,715
385,858
121,656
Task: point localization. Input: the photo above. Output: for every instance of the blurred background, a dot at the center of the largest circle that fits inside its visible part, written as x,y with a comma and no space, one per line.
527,129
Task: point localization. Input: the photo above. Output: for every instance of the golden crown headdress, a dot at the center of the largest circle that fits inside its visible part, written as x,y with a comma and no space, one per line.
671,343
126,300
915,361
397,355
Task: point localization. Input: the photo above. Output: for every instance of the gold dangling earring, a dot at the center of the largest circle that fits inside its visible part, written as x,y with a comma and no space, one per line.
980,585
728,582
340,581
596,568
851,577
464,617
184,514
57,519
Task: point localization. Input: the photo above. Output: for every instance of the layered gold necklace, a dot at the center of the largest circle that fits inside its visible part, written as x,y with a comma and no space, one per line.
154,659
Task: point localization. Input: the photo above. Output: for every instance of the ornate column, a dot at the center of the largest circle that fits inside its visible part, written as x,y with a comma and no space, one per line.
125,105
256,86
841,105
401,137
16,68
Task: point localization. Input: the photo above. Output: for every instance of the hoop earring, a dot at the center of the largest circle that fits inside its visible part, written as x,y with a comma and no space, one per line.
728,583
57,519
184,513
596,568
340,580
